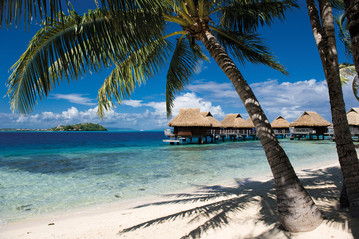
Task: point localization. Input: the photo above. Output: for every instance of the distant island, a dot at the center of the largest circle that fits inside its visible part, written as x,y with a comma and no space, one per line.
79,127
76,127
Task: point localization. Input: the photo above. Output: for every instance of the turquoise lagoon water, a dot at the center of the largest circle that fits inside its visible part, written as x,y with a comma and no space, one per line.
47,172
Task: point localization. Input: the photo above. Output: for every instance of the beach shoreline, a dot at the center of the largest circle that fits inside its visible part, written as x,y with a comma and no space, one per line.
106,221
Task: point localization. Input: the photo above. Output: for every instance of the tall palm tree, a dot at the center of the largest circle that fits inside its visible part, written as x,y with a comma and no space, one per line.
347,71
135,41
352,14
324,34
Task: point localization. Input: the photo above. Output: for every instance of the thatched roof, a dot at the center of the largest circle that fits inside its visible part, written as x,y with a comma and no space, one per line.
235,121
190,117
280,122
310,119
210,118
249,123
353,116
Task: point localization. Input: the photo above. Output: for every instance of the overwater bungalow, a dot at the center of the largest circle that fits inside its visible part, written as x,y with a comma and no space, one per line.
215,123
353,121
235,126
310,123
280,126
188,124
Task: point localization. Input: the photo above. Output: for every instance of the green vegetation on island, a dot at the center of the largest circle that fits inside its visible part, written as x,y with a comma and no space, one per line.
79,127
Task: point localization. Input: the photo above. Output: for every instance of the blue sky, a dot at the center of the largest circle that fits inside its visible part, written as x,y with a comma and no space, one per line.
291,41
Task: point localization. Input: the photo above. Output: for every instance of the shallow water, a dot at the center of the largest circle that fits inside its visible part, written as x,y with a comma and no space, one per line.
47,172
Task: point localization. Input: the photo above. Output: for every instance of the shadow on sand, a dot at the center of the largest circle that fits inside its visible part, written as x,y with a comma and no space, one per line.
220,204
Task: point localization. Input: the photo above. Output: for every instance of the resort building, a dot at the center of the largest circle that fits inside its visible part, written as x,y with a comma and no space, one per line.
310,123
280,126
189,123
235,126
215,123
353,121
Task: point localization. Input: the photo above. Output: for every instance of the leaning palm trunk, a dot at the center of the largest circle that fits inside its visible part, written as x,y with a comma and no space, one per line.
352,14
296,208
325,39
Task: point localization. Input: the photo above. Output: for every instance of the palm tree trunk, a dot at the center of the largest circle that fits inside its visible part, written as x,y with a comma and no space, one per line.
296,209
325,39
352,14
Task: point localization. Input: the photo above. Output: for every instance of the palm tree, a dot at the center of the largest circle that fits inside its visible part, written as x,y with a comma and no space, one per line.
134,39
324,34
347,71
352,14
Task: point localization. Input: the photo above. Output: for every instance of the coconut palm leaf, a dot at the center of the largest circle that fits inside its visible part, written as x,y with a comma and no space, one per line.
355,87
247,47
11,11
347,72
338,4
74,46
246,16
344,35
132,72
125,5
183,65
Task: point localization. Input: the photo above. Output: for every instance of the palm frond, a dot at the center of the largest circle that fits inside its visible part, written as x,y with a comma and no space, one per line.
338,4
196,49
125,5
75,45
355,87
247,47
182,66
347,72
15,11
246,16
132,72
344,35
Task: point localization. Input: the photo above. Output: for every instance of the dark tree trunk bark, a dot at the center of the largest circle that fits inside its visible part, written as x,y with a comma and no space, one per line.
324,34
352,14
296,209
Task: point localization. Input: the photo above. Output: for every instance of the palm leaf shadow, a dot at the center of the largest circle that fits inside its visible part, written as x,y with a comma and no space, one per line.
218,214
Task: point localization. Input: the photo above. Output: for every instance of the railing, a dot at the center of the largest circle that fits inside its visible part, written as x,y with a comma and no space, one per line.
354,130
302,130
230,132
281,131
168,132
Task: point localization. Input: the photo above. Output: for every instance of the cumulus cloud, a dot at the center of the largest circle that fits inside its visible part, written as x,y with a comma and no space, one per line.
186,100
191,100
151,115
133,103
214,90
74,98
288,99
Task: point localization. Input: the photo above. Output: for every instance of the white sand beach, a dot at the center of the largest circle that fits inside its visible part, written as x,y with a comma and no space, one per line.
240,209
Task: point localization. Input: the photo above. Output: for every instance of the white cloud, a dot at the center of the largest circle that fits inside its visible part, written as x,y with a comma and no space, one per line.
74,98
191,100
288,99
201,67
133,103
151,115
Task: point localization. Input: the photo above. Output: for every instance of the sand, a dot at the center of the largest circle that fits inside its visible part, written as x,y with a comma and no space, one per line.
242,208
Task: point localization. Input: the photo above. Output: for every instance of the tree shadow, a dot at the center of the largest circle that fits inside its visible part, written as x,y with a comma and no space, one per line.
220,204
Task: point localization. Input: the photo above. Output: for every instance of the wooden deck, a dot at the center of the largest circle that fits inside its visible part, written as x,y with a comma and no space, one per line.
212,136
